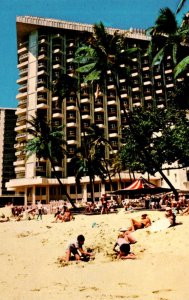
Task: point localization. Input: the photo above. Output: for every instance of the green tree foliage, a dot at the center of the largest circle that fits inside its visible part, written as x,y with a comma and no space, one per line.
170,38
90,157
164,134
48,143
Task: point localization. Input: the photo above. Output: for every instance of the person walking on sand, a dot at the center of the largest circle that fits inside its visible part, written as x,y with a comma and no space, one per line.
75,247
39,211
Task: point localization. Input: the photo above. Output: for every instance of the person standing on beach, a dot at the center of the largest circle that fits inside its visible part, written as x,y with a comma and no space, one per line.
39,211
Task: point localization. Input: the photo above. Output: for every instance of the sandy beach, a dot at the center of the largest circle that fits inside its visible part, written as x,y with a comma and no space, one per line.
30,269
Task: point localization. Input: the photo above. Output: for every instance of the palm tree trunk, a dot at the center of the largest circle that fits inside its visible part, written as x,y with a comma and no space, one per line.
61,184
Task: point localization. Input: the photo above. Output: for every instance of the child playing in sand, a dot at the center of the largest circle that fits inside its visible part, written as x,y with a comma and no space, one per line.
124,252
75,247
124,238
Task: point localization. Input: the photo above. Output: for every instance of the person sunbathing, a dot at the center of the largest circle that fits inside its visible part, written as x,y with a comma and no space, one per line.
143,223
67,216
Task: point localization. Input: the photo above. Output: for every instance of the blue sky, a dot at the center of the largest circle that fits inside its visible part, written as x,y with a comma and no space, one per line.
115,13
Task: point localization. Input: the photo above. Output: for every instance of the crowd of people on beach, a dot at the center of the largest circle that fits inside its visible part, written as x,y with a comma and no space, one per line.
122,246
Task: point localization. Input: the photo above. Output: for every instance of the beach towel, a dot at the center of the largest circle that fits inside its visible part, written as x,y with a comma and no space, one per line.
159,225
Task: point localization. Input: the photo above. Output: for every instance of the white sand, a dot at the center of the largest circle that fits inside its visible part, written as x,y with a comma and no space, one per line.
30,271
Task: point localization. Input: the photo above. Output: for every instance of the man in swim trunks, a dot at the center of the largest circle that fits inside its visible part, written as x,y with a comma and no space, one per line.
143,223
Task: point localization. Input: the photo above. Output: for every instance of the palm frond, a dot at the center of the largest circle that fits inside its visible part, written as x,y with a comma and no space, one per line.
181,66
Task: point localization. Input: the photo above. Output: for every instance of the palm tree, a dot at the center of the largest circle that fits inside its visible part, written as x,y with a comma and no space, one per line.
103,52
47,143
90,157
169,38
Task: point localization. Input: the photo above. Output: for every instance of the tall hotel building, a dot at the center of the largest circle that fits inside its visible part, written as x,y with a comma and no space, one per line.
7,151
46,50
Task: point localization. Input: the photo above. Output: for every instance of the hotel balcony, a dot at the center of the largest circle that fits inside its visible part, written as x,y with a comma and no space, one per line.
20,128
42,57
111,87
22,58
57,67
42,66
113,118
170,71
148,98
171,85
136,89
145,68
99,109
19,169
42,106
71,124
42,39
23,72
159,91
71,142
85,100
19,163
20,111
42,97
57,51
124,96
20,174
69,60
136,104
86,117
111,96
99,102
56,60
71,107
22,103
19,146
21,136
147,83
135,74
71,44
42,49
42,89
113,135
112,102
22,80
21,120
23,48
23,88
42,73
57,115
22,65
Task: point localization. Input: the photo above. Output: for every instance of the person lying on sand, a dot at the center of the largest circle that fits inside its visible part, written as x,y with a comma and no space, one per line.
124,252
65,217
4,219
75,247
143,223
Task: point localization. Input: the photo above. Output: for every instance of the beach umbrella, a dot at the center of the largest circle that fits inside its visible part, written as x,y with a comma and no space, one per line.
141,187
